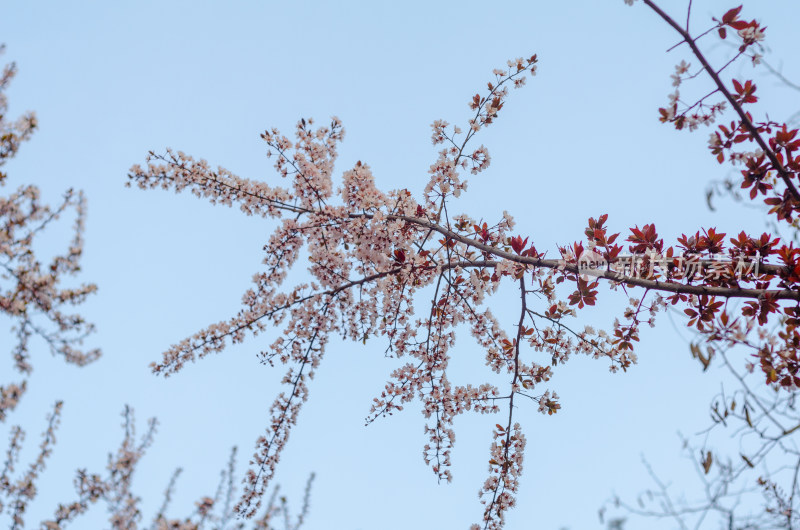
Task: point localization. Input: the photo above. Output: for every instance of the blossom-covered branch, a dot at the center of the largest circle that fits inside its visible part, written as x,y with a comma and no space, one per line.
374,255
31,292
114,488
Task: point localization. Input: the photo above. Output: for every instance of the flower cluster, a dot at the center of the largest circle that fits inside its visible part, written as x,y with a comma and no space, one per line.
32,292
505,468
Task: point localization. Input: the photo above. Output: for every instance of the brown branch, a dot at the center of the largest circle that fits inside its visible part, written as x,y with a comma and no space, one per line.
752,129
725,292
509,427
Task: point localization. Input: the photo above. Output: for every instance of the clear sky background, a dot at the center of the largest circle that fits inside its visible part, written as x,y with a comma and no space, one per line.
112,80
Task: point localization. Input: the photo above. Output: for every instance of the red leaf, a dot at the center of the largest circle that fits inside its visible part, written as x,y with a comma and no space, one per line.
517,243
731,15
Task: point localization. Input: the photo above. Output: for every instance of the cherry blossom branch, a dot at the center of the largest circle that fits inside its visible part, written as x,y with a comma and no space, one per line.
743,116
510,465
384,241
285,411
31,291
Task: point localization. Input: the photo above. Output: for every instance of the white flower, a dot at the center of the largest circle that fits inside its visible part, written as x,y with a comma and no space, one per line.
751,35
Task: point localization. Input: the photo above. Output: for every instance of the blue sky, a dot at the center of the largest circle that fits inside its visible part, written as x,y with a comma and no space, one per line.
111,81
